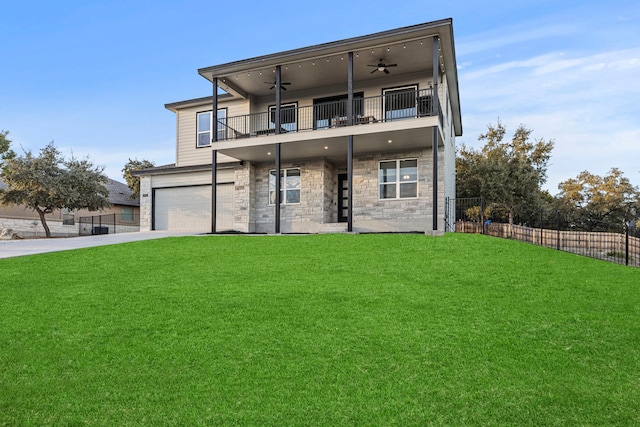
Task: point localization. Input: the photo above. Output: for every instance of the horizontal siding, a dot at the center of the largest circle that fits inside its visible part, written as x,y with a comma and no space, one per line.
187,154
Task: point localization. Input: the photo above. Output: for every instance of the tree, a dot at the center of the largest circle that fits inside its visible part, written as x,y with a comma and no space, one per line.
48,182
595,203
5,143
134,181
506,173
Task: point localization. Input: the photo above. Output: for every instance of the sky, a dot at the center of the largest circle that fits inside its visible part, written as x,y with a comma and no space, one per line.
93,76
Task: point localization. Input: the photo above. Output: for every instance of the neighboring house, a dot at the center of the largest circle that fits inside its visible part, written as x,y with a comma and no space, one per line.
124,215
362,131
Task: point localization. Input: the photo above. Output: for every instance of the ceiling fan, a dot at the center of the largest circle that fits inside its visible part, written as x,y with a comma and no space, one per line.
282,85
381,66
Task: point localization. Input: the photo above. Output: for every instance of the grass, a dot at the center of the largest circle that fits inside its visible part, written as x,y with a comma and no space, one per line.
319,330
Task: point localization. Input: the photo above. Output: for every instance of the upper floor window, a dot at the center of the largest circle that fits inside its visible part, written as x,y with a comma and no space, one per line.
289,186
398,179
288,117
205,125
400,103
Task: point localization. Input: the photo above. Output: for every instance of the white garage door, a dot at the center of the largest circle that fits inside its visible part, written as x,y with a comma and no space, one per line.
189,208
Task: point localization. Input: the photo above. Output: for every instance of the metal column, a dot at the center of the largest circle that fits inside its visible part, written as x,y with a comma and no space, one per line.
350,120
278,98
214,111
278,184
436,104
214,189
350,183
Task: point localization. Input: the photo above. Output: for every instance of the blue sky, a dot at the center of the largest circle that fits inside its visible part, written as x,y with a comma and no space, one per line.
93,76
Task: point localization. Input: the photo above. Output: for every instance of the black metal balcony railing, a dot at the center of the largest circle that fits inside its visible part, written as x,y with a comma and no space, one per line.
375,109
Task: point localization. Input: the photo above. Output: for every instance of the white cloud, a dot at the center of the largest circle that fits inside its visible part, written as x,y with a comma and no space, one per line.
586,103
506,36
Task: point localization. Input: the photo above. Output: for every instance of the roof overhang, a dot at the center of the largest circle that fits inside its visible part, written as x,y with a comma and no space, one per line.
411,47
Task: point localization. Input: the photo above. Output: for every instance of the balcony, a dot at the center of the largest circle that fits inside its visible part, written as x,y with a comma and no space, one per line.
398,105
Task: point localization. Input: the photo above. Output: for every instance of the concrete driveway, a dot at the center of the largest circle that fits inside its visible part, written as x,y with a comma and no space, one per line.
14,248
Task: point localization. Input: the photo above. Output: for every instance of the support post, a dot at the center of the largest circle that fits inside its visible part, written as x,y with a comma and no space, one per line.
214,111
278,185
350,118
558,232
434,137
482,219
350,184
541,227
436,74
214,189
278,100
626,243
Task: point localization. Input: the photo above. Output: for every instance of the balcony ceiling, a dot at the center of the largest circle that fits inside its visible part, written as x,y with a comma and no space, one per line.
326,65
328,71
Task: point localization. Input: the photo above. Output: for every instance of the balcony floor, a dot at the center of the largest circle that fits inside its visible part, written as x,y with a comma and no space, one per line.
331,143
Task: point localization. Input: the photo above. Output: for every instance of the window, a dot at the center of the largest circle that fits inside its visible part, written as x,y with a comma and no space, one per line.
400,103
205,126
398,179
289,186
288,117
68,217
126,214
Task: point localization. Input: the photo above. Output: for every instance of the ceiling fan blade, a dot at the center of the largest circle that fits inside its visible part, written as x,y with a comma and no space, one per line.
282,87
374,71
386,71
391,65
271,88
371,65
286,83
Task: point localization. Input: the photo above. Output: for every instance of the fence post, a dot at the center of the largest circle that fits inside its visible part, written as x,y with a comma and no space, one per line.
114,223
482,214
541,227
626,243
558,227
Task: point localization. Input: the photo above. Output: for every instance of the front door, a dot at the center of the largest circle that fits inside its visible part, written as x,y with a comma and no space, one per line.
343,197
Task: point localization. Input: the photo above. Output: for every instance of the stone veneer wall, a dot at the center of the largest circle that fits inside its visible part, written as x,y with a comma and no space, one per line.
306,216
145,203
318,197
244,217
33,228
371,214
330,188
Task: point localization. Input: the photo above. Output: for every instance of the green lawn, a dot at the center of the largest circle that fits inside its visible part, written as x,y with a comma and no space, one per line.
319,330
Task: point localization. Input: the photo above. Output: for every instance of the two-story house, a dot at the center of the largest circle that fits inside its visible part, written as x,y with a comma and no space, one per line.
352,135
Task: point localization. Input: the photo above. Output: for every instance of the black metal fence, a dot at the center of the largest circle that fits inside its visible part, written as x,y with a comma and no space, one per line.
619,243
109,224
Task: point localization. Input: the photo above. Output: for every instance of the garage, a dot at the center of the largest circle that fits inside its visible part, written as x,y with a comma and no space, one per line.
189,208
